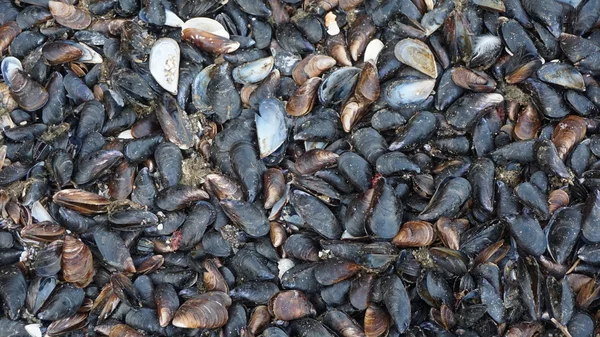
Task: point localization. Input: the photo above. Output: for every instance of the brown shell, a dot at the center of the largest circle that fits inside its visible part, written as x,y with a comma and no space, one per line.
315,160
259,319
489,252
209,42
60,52
121,185
324,5
77,262
587,294
279,12
150,264
312,66
86,306
352,111
7,102
520,67
557,199
274,183
336,48
213,279
512,109
105,303
290,305
223,187
367,88
8,31
443,316
577,281
167,303
45,231
247,91
447,233
29,94
277,233
359,34
86,203
473,80
304,97
377,322
528,123
65,325
108,27
69,15
414,234
349,4
207,311
567,133
122,330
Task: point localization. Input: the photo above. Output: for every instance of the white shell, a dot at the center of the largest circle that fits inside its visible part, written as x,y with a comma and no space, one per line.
207,25
373,49
200,88
9,66
270,126
401,92
253,72
172,20
125,135
331,24
284,265
89,55
34,330
40,213
164,63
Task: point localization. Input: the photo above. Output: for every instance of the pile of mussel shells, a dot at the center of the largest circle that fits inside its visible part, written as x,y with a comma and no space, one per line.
310,168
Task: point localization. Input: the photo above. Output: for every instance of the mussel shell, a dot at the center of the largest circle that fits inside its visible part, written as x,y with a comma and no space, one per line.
69,15
338,85
207,311
164,63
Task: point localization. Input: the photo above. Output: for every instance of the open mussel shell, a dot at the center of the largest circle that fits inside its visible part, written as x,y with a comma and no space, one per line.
59,52
271,128
416,54
337,86
206,24
407,91
253,72
10,66
164,63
